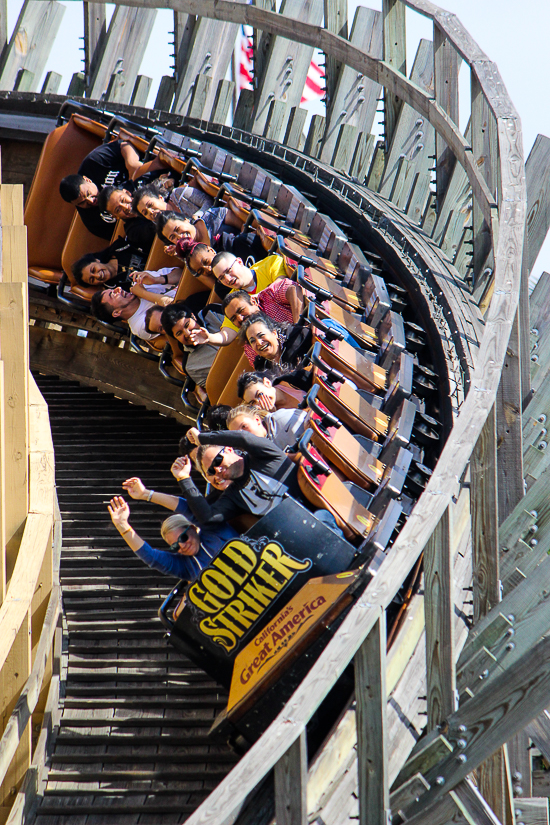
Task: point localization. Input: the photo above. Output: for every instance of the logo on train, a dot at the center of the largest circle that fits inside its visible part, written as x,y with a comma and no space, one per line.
240,585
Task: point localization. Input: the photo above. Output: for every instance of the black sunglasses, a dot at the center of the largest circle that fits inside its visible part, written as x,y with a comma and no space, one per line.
216,462
182,538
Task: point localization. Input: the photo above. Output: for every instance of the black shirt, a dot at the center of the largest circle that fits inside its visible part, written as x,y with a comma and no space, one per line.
128,258
269,475
104,166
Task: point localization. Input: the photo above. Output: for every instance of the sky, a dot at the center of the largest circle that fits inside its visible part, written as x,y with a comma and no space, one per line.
513,34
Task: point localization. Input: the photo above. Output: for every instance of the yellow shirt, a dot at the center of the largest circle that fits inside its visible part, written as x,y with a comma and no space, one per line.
266,271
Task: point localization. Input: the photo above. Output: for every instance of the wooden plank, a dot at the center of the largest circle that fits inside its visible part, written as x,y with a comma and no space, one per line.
222,101
51,84
446,67
287,63
276,119
509,434
395,54
483,470
24,82
439,612
533,811
15,355
123,49
95,31
243,111
31,41
336,20
372,746
294,135
199,97
537,180
77,85
141,90
423,757
355,97
165,93
2,487
11,210
413,137
539,731
519,757
364,150
483,142
345,148
209,50
406,794
116,88
13,675
315,134
3,26
291,784
183,36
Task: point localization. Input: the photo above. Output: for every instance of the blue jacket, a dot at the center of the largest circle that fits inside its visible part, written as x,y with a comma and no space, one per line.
213,539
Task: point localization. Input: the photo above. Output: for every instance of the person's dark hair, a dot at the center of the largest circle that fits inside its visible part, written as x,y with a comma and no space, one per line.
69,188
104,195
184,248
148,316
216,417
246,379
185,446
174,313
103,312
162,219
222,257
242,294
79,266
260,318
153,190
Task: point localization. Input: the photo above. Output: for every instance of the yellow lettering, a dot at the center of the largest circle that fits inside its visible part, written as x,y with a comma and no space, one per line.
243,555
225,620
217,583
267,577
273,553
238,610
203,599
219,634
229,571
259,592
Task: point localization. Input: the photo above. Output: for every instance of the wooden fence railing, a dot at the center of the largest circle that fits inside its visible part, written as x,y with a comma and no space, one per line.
29,530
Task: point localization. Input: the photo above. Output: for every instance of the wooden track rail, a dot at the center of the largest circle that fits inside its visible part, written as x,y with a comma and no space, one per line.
480,469
30,533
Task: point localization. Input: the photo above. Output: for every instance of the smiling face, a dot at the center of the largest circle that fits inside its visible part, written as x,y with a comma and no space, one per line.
179,230
97,273
235,275
249,424
265,389
188,548
263,341
119,300
239,308
229,467
182,328
149,206
120,204
87,197
201,262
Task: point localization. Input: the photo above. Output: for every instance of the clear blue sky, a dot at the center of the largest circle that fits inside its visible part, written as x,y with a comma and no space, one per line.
513,34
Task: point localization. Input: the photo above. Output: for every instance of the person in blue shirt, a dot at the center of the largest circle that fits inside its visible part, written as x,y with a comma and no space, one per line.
192,548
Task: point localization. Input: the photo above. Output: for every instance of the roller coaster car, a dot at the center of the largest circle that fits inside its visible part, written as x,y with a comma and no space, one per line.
326,288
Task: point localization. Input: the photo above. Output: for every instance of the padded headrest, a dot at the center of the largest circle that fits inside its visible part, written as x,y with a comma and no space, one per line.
47,216
89,125
79,242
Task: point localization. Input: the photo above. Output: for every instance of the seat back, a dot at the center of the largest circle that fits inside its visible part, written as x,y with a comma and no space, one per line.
350,362
158,258
222,369
47,216
343,450
352,410
188,285
79,242
229,393
328,492
352,322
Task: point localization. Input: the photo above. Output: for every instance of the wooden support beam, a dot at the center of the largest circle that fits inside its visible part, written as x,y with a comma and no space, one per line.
2,487
336,21
77,85
345,148
36,27
533,811
286,65
425,754
123,49
439,614
3,27
291,784
519,757
222,101
141,90
116,89
446,68
413,137
395,53
539,731
483,471
276,120
364,150
315,136
484,141
294,135
183,35
15,355
199,96
24,82
372,747
13,676
537,182
165,93
51,84
242,118
509,432
355,97
95,32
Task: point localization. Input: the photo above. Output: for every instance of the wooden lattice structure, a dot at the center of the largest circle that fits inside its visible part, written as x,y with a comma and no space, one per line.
463,238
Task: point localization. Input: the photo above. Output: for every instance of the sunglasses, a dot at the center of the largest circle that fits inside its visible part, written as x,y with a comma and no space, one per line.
216,462
182,538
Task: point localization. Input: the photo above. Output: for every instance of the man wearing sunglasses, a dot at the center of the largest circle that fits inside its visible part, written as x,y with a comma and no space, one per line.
254,474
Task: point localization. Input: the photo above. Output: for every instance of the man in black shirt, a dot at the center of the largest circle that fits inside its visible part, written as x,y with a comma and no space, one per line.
253,472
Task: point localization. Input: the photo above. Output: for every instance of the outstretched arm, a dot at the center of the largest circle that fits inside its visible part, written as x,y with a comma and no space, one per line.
131,158
120,516
137,490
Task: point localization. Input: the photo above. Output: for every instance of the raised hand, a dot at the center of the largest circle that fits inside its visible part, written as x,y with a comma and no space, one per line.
119,512
181,468
135,488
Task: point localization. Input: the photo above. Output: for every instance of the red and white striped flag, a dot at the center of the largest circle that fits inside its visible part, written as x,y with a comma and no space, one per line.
314,88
